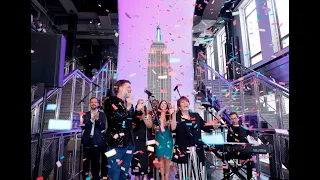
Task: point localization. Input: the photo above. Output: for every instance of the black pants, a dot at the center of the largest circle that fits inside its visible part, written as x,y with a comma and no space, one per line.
91,153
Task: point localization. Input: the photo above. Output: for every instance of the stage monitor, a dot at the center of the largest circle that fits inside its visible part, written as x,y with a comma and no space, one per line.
212,138
59,124
47,59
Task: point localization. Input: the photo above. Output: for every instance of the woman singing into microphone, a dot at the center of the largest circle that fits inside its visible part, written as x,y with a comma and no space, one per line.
188,151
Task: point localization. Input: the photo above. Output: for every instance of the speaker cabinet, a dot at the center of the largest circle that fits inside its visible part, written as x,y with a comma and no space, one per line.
47,59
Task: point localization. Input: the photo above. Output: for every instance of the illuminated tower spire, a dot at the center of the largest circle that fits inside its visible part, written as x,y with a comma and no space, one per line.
158,34
159,38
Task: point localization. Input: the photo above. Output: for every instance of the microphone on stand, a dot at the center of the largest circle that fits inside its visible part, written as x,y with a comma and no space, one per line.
176,89
149,93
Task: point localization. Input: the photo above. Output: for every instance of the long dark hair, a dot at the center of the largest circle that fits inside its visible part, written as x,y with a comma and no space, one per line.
167,113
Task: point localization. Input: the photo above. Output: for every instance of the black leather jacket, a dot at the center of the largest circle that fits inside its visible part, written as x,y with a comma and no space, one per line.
119,123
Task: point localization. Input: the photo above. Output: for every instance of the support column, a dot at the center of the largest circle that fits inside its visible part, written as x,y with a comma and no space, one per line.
72,37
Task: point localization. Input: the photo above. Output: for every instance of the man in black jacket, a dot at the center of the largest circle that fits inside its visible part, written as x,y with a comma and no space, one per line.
119,137
93,123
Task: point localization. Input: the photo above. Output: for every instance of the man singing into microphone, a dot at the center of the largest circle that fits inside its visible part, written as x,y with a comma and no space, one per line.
119,137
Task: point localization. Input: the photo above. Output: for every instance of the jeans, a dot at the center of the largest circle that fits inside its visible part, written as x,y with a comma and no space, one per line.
119,172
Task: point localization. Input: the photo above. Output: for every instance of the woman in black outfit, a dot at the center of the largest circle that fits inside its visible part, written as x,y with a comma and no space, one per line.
139,163
188,150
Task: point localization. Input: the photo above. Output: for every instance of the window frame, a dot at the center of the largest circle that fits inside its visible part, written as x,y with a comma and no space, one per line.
221,52
275,12
247,32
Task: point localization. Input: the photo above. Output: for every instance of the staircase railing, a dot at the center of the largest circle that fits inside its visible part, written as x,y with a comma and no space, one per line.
58,148
102,78
259,87
267,79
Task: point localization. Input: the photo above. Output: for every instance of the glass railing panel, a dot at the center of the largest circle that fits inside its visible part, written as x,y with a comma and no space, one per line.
285,111
244,103
267,100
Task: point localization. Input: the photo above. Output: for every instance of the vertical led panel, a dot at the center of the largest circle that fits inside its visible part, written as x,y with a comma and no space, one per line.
155,40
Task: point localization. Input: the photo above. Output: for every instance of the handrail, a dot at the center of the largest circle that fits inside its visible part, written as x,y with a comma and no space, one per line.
264,78
57,132
67,78
215,72
253,73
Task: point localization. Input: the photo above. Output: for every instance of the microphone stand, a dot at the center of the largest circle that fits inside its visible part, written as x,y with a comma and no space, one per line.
178,91
154,112
81,147
207,108
83,99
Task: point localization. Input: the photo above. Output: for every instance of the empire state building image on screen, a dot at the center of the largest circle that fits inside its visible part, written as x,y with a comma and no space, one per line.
159,82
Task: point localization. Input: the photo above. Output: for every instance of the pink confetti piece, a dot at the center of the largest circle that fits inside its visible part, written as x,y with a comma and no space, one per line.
114,107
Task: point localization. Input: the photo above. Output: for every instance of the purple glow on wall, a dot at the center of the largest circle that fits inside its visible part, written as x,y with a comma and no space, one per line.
138,22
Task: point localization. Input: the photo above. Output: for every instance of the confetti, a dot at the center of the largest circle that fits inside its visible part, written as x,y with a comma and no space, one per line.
150,148
110,153
32,51
58,163
151,142
127,15
116,136
235,13
163,91
114,107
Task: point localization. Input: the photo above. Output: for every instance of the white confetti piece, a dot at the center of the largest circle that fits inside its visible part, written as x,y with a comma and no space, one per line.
151,142
235,13
32,51
133,74
150,148
116,136
129,152
110,153
122,168
121,134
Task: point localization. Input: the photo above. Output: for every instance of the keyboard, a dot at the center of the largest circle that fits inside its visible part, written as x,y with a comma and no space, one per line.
241,147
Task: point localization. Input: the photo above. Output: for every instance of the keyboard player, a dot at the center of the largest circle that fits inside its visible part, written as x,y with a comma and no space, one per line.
236,133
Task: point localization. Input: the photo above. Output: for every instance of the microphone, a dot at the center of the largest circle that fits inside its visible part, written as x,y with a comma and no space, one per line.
175,88
206,105
95,84
148,92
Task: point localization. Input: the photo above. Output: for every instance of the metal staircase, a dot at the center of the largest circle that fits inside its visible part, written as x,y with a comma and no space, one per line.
252,94
64,146
75,86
